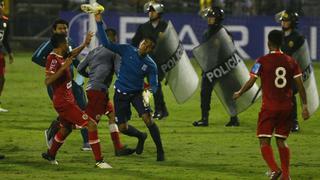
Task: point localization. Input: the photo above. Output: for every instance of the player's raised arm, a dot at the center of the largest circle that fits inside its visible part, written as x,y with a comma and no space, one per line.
104,38
76,51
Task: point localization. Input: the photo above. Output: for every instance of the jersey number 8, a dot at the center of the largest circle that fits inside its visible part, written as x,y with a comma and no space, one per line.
280,80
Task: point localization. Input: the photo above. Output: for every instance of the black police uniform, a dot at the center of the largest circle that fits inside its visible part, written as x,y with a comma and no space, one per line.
147,30
207,86
291,44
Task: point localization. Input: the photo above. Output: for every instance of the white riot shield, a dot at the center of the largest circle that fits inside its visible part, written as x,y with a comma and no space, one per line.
303,58
174,62
222,66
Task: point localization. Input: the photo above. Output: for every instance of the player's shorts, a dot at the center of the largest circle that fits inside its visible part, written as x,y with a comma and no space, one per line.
122,105
279,122
72,114
98,104
2,64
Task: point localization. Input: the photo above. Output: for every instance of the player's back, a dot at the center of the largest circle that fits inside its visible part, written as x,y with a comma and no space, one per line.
277,73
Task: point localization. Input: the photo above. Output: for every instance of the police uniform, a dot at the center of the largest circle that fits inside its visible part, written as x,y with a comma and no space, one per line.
291,43
206,84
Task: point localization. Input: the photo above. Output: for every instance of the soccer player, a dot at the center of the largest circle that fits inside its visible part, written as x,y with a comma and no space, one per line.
153,28
39,57
214,17
135,65
278,72
59,76
4,44
292,41
99,66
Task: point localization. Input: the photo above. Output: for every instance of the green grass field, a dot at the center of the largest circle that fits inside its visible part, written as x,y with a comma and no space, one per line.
214,152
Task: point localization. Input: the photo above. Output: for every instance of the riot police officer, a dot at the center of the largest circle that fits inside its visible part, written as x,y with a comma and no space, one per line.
292,41
214,16
153,28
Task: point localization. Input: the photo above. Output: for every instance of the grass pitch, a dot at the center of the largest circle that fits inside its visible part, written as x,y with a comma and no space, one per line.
213,152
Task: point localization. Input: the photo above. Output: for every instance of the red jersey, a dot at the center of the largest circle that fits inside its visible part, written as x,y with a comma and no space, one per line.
62,92
277,72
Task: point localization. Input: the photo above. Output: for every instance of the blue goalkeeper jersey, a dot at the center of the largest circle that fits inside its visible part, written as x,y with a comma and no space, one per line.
133,67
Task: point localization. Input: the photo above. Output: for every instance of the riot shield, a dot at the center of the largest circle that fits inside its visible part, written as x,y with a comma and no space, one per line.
302,56
222,66
174,62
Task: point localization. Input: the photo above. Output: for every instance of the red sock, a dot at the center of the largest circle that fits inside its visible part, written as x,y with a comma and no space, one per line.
57,142
95,145
114,132
267,153
285,160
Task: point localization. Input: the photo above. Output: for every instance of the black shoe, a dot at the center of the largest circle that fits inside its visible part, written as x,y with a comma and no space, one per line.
160,156
2,156
140,145
295,127
51,159
200,123
160,115
124,151
234,121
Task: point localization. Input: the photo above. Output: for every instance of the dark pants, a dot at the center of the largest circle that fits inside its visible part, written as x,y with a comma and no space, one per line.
159,104
122,105
206,93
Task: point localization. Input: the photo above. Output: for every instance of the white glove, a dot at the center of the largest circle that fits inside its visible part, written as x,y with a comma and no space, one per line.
146,94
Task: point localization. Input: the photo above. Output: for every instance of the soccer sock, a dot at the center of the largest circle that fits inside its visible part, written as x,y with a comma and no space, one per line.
95,144
57,142
155,134
114,132
84,134
132,131
267,154
285,160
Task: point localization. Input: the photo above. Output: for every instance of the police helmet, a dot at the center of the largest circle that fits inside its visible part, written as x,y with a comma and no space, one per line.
288,15
216,12
153,5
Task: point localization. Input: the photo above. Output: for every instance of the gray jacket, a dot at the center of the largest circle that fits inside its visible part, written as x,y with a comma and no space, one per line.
99,66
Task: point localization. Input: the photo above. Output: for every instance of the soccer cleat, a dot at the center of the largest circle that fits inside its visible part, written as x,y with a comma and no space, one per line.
160,115
274,175
86,147
234,121
47,138
124,151
94,8
200,123
140,145
3,110
2,156
160,156
51,159
102,165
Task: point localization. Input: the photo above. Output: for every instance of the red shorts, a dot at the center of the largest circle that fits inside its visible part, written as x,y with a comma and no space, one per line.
72,114
2,64
279,122
98,104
